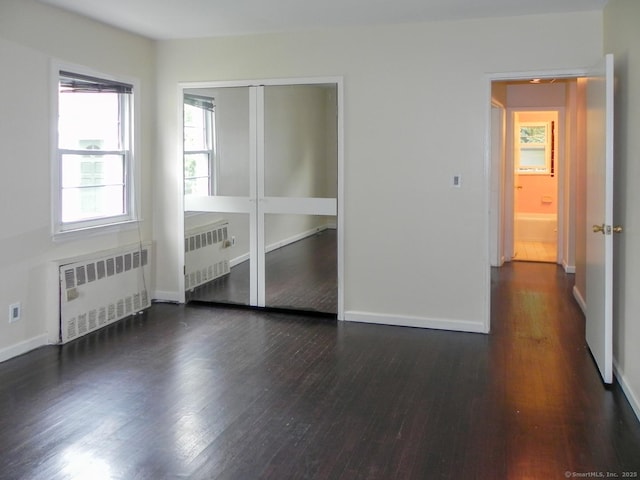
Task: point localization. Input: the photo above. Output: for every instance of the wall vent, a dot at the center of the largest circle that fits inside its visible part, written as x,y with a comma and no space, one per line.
103,289
206,254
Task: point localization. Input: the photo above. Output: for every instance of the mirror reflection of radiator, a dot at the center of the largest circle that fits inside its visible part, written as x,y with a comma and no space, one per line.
206,254
103,288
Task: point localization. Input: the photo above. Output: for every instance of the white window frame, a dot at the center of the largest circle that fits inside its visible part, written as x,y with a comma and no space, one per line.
210,151
64,230
546,146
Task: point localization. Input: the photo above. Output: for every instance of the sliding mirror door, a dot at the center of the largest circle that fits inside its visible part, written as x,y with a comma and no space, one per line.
261,175
219,187
300,191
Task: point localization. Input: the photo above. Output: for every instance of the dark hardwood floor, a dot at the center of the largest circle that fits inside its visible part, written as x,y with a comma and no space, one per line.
213,393
300,276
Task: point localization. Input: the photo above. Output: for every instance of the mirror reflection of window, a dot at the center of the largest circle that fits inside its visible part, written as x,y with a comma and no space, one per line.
199,145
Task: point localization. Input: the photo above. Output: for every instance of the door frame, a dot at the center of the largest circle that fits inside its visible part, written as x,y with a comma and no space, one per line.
491,201
339,82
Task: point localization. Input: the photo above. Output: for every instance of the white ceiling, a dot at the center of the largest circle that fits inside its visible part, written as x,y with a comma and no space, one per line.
170,19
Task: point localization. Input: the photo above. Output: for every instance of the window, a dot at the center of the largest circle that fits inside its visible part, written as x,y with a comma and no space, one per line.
94,153
534,148
199,145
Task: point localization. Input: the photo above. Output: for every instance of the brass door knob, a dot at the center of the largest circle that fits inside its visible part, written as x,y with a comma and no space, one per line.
617,229
598,228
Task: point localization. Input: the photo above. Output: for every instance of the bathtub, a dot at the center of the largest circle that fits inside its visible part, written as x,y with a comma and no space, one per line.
536,227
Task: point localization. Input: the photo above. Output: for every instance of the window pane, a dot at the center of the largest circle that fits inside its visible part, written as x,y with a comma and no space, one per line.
196,186
195,128
532,157
83,203
92,170
89,121
533,134
196,165
196,174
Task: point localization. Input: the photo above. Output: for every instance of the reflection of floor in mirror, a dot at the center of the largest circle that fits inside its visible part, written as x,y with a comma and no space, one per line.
536,252
302,276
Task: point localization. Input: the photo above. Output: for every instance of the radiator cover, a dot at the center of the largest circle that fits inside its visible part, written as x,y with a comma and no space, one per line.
206,254
103,289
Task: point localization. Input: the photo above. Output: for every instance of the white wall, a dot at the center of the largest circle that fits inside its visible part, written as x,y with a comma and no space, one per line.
31,35
622,38
415,249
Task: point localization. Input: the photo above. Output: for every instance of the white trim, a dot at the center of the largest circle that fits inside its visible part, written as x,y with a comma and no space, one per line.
238,260
542,74
341,188
22,347
96,230
300,206
257,167
632,398
181,295
487,206
580,299
412,321
263,82
161,296
295,238
199,203
568,268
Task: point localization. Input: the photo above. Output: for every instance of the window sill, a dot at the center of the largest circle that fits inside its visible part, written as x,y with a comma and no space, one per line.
97,230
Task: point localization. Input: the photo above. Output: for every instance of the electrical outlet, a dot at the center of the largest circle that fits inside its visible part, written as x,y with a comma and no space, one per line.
233,240
456,181
15,310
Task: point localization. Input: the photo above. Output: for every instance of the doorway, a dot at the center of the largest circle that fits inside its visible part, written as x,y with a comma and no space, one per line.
588,167
534,167
261,184
536,162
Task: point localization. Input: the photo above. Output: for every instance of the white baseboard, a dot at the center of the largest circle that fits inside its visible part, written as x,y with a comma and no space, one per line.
238,260
569,268
295,238
419,322
166,297
283,243
22,347
629,393
579,298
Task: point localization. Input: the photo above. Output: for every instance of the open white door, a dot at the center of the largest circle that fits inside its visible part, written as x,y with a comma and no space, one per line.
599,269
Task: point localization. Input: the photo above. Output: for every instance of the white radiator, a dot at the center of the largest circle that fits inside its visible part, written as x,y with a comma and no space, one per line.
103,289
206,254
